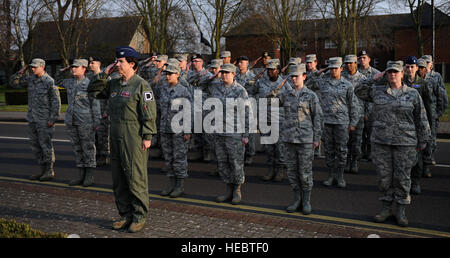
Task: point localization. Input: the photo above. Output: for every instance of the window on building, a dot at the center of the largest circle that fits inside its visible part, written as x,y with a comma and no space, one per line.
330,44
361,43
305,43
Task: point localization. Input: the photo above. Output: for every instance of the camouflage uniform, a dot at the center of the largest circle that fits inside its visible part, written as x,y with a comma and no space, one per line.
400,125
243,79
102,133
173,146
275,152
199,142
355,137
44,104
302,126
365,145
439,103
229,148
340,110
424,156
82,116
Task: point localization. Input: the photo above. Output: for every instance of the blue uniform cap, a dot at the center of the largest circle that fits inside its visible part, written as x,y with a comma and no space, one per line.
411,60
126,52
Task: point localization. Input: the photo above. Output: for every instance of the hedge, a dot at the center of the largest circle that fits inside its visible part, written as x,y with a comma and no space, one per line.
20,97
12,229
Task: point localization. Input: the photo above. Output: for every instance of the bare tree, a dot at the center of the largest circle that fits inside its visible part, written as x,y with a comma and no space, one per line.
285,18
216,18
70,17
346,15
415,8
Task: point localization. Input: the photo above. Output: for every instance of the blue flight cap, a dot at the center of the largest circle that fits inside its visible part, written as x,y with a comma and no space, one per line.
126,52
411,60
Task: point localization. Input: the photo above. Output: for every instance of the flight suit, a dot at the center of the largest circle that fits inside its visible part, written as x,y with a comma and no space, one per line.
132,112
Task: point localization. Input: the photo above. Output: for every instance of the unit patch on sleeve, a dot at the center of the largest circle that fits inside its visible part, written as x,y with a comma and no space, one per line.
148,96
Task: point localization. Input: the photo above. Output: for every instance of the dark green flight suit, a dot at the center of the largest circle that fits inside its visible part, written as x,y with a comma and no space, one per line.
132,112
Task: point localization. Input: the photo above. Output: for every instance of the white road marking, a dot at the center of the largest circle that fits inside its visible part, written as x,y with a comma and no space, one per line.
27,139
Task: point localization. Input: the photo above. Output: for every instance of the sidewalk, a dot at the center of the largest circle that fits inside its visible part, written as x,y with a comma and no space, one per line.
90,214
443,130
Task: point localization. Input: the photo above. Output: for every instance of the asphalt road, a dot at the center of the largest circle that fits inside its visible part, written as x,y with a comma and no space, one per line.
356,204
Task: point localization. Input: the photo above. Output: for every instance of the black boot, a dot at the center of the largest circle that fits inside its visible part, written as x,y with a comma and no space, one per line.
279,175
402,220
306,196
294,207
385,213
80,179
169,189
37,176
270,175
331,178
349,163
354,166
426,171
101,161
49,173
89,178
179,188
228,194
237,196
340,178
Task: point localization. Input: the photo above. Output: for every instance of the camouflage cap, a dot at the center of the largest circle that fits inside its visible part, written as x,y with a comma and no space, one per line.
181,57
173,61
295,60
80,62
162,58
216,63
273,64
224,54
297,70
394,65
350,59
94,58
172,69
228,68
335,62
427,58
421,62
37,62
311,58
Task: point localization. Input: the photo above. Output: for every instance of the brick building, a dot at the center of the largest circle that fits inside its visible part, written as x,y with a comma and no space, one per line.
385,37
105,34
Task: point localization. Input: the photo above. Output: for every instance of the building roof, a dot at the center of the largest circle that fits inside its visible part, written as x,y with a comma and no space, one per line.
258,25
104,35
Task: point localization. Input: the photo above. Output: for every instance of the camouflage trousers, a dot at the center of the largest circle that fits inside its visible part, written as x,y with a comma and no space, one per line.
365,144
102,138
355,140
275,154
393,164
335,140
174,150
202,143
230,158
250,147
83,144
41,142
434,130
299,159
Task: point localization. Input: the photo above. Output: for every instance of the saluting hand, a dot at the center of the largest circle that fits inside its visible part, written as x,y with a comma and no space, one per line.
146,144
